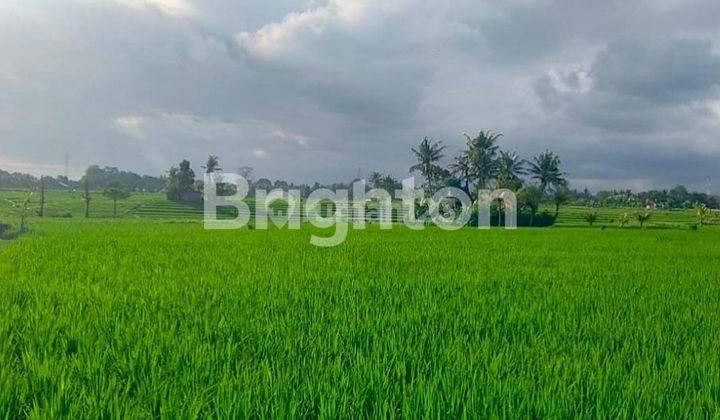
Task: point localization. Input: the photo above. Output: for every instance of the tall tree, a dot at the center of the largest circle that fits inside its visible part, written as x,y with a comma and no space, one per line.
116,191
482,157
428,153
561,196
41,212
212,165
461,168
375,179
509,169
180,180
530,197
545,168
86,197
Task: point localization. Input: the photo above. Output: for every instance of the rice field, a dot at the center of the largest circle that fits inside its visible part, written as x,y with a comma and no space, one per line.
157,207
146,318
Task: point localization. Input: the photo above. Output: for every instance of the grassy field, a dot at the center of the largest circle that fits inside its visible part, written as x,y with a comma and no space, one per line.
156,206
144,318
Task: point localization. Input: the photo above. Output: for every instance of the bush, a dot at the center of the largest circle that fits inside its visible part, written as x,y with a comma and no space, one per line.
5,227
59,214
541,219
8,231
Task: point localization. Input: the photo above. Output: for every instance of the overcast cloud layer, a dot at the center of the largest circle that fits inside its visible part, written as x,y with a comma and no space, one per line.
627,92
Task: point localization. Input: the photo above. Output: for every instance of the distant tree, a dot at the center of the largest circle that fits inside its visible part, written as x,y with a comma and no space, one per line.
263,184
428,153
375,179
642,217
624,219
389,183
41,211
482,157
86,197
462,169
248,173
212,164
702,212
530,197
116,191
180,181
561,196
591,217
509,169
100,178
545,168
23,210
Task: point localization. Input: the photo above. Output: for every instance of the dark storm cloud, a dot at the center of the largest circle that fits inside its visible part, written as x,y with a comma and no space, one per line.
314,90
668,71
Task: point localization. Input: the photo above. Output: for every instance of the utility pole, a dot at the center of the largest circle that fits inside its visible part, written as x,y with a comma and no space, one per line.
67,160
41,212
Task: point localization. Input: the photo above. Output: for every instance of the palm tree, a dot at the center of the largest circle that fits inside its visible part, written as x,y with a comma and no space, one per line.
484,140
212,164
427,154
509,169
461,167
482,155
642,218
545,168
375,179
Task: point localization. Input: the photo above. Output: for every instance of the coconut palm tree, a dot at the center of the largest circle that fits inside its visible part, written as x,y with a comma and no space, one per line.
428,153
509,169
375,179
642,218
462,169
482,155
545,168
212,165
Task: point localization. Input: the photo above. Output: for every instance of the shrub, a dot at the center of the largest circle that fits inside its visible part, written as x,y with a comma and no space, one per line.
642,218
591,217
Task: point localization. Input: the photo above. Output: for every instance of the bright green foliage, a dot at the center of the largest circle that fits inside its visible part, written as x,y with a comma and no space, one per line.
138,319
591,217
643,217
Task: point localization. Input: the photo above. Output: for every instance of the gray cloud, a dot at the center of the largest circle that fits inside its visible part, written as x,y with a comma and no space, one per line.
311,90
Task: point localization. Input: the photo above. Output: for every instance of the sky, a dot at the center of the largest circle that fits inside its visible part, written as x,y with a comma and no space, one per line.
626,92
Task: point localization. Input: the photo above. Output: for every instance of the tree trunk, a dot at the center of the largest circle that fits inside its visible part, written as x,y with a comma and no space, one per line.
532,216
87,199
41,212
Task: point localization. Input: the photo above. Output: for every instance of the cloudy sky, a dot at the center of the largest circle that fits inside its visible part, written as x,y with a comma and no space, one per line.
627,92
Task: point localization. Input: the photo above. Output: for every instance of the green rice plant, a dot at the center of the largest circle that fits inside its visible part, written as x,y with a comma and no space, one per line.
158,318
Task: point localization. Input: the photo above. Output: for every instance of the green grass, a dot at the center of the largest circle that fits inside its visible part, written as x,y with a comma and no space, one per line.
575,216
63,203
136,318
156,206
